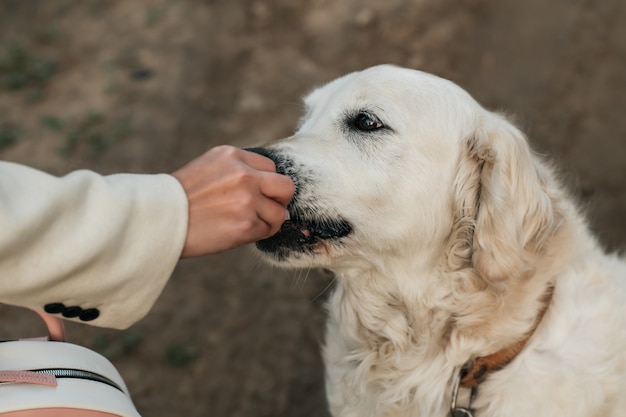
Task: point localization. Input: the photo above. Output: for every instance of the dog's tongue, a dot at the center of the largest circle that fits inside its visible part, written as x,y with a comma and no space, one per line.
292,224
295,232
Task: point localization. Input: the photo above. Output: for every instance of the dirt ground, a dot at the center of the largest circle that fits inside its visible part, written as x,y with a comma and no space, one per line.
144,86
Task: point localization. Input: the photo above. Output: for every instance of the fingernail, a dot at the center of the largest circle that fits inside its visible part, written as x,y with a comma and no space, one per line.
287,215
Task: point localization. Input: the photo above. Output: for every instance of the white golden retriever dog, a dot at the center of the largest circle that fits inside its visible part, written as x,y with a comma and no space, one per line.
468,283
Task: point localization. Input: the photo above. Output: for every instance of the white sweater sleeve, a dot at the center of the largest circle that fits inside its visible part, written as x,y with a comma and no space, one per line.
92,248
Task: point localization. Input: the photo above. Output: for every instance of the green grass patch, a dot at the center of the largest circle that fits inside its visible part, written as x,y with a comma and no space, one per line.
19,69
8,136
121,344
181,355
92,132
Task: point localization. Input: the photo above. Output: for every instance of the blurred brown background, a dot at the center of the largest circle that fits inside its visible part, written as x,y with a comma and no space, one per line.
144,86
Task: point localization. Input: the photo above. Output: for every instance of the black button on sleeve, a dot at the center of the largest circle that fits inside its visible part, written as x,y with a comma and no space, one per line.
54,308
89,314
71,312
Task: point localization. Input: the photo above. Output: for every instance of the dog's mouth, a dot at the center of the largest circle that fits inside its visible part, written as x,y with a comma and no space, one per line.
306,230
299,235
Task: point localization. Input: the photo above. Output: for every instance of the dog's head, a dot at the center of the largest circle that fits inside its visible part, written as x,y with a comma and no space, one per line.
401,163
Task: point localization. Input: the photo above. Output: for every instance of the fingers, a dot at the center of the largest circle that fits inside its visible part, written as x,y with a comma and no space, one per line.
277,187
234,197
273,215
273,185
256,161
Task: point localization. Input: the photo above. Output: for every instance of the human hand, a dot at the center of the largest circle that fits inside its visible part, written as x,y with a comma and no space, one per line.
235,197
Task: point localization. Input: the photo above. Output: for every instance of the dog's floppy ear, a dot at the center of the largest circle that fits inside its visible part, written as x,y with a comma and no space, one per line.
504,213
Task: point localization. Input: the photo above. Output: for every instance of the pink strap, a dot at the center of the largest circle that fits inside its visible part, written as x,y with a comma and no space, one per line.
56,328
28,377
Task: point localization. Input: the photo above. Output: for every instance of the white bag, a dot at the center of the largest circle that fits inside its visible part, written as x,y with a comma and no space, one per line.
50,378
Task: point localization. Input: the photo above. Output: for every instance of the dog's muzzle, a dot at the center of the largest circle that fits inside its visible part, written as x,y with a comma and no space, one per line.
306,228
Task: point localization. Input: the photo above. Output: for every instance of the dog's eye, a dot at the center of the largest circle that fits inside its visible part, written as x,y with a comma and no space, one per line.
366,122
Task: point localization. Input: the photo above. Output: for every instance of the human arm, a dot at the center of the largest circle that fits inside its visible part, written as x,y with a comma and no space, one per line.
87,243
100,243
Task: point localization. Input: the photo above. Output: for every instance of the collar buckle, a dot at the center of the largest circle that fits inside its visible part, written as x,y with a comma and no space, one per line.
457,411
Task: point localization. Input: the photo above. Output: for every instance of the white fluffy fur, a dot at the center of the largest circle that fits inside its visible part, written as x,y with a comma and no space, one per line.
458,230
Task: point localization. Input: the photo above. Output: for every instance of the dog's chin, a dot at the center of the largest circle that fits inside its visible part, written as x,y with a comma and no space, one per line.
299,241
